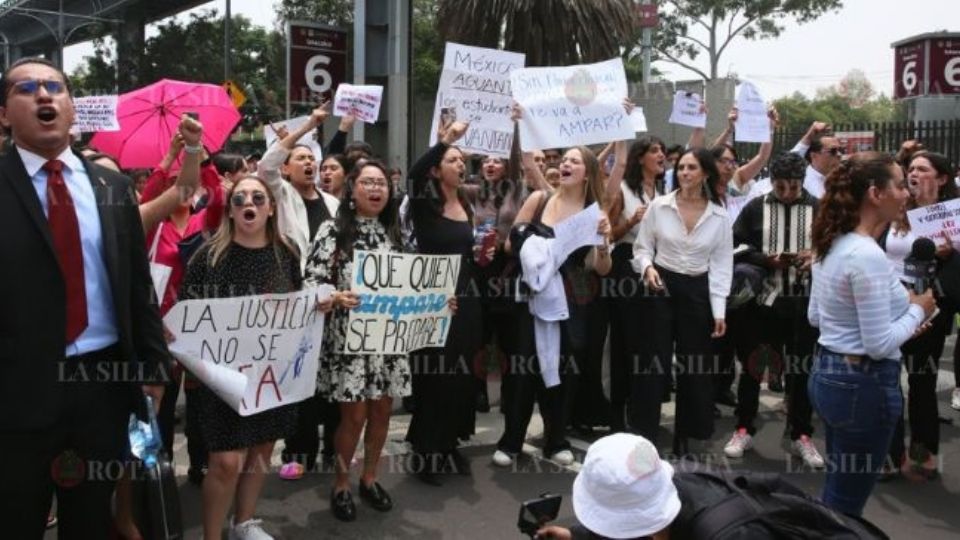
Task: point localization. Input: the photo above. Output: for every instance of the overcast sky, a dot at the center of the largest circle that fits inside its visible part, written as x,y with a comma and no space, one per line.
803,59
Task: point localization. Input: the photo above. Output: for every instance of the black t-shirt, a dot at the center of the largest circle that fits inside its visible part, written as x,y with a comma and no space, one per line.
316,214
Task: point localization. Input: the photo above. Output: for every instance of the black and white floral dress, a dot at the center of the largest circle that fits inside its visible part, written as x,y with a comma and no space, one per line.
352,377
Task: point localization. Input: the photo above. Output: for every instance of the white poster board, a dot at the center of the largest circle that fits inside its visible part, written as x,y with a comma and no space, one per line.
475,87
403,302
255,352
572,105
688,110
363,102
96,113
936,221
753,124
292,124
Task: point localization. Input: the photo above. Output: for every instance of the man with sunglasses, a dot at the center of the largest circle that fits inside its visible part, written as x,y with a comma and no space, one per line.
81,335
823,152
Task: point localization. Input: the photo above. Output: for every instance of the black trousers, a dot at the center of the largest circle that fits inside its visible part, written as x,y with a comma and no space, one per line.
921,358
779,340
304,444
524,383
196,446
80,457
679,321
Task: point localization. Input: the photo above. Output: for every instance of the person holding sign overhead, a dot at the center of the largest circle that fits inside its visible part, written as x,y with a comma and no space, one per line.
247,255
443,388
929,181
364,386
684,251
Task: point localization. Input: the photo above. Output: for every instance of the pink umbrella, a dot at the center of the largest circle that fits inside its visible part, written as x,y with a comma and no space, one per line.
149,117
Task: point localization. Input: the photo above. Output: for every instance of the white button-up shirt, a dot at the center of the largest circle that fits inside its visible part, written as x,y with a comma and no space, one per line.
663,239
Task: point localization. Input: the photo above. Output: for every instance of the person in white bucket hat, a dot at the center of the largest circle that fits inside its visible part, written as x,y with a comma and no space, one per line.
623,490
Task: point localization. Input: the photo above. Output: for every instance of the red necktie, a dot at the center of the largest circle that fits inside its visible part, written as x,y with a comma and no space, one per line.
65,229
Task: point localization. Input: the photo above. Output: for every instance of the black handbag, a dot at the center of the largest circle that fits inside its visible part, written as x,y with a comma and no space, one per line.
155,492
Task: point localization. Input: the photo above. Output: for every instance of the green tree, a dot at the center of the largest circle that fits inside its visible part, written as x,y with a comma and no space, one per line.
689,28
330,12
549,32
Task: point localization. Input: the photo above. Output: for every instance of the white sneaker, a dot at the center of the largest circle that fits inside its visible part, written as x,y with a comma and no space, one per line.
563,457
804,448
250,529
738,443
955,400
502,459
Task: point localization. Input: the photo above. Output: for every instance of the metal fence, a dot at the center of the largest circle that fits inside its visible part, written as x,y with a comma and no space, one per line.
941,136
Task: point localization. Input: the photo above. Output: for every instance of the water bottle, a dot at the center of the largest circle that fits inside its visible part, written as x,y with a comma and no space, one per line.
144,437
484,238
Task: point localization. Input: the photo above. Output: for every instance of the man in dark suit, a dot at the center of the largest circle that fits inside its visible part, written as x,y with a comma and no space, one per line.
80,334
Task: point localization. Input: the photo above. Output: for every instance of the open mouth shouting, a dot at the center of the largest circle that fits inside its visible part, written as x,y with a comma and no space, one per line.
47,115
249,215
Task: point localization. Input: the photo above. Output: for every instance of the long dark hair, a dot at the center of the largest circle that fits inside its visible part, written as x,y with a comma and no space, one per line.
846,187
346,220
436,198
633,175
709,165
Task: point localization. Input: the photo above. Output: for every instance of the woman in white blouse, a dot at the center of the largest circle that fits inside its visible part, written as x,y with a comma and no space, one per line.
864,315
684,251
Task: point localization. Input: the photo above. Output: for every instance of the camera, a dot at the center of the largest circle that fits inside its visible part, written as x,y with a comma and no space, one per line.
536,513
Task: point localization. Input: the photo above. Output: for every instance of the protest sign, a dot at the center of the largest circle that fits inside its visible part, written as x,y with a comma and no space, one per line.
363,102
936,221
753,124
688,110
572,105
638,120
475,87
309,139
403,302
96,113
255,352
577,231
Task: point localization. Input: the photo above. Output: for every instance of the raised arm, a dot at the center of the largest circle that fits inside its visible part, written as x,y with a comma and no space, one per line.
726,137
816,128
157,209
338,143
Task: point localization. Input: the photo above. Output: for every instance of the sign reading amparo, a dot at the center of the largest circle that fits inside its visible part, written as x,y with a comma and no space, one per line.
403,302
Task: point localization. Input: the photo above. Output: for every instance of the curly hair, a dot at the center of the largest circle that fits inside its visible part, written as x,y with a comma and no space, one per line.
846,188
788,166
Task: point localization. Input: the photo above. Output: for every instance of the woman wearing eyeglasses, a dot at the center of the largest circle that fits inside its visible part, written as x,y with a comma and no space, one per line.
247,255
364,386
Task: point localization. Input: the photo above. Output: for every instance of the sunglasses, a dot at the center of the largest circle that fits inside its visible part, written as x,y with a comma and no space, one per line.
238,199
30,87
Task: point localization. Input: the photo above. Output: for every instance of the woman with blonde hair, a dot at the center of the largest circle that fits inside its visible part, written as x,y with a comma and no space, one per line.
247,255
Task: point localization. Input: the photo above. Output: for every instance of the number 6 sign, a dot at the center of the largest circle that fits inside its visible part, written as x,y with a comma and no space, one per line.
927,65
316,61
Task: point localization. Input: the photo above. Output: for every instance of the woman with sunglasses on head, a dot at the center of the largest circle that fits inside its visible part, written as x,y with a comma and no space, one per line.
684,251
864,315
247,255
929,182
364,386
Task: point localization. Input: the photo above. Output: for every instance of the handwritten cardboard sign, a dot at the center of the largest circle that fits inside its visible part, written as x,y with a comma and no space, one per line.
567,106
403,302
936,221
96,113
475,87
255,352
363,102
753,124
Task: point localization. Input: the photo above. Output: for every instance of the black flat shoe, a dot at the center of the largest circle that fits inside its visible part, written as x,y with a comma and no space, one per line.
426,467
376,497
342,505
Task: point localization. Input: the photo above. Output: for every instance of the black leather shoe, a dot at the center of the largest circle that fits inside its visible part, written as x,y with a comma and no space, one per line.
427,468
342,505
457,463
376,497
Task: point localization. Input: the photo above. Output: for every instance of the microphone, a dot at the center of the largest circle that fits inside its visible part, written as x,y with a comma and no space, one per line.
920,267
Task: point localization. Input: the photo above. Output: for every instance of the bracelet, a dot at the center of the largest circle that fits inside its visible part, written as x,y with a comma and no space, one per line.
193,149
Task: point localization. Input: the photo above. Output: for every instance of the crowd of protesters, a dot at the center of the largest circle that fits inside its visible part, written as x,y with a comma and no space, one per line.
784,282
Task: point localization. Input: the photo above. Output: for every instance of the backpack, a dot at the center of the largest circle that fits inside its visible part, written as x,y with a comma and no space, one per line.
742,505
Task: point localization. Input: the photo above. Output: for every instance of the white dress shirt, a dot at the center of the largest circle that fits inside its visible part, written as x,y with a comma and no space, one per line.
858,303
814,182
101,330
663,240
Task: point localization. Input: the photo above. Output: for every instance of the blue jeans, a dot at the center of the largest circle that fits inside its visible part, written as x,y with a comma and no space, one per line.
860,404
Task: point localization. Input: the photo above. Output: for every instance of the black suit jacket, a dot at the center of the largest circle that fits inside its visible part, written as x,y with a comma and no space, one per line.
33,316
